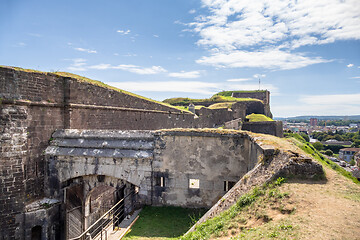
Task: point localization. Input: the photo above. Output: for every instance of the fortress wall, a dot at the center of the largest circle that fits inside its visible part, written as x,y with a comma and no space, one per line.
270,127
261,95
86,93
209,118
82,118
205,158
33,105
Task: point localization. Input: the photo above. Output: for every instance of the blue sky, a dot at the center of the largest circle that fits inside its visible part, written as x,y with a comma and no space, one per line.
307,53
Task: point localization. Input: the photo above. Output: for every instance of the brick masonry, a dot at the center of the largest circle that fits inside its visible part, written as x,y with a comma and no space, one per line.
33,105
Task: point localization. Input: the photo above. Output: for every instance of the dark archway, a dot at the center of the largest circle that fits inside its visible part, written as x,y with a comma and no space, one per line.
36,233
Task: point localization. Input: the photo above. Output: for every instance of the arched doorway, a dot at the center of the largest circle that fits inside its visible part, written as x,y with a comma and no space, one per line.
36,233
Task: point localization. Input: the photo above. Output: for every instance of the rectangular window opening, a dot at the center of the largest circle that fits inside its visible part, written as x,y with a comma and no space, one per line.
160,181
228,185
194,183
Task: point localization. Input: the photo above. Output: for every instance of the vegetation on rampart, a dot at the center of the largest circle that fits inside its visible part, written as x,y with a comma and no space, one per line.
221,105
215,98
97,83
249,207
311,150
258,118
229,93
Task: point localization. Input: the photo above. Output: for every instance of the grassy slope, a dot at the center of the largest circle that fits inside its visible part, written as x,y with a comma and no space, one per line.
98,83
164,222
215,98
296,209
258,118
300,209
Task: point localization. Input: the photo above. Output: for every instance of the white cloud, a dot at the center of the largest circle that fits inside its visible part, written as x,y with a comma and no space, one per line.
336,104
336,99
270,59
130,68
350,65
233,28
155,35
183,74
168,86
259,76
355,77
85,50
79,64
192,11
123,32
238,79
207,88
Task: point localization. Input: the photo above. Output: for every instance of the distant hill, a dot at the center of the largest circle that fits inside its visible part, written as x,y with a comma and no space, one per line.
352,117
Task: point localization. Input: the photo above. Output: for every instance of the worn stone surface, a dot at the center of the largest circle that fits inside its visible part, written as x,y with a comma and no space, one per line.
273,165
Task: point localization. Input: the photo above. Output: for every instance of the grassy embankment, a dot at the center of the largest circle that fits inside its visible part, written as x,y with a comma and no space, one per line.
258,118
164,222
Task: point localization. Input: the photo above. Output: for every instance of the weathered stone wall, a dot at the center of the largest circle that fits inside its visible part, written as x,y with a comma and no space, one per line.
33,105
261,95
13,154
213,117
208,157
270,127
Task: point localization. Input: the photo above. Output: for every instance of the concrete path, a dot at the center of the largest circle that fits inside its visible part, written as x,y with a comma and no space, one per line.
124,227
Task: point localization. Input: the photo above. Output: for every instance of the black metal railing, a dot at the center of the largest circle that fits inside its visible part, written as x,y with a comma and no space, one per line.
109,220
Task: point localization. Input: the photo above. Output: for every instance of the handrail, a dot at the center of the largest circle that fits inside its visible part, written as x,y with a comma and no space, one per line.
102,217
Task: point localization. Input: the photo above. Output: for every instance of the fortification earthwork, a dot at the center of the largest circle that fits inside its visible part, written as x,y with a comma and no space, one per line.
68,142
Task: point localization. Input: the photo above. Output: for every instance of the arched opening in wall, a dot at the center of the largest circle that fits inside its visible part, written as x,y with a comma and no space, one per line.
74,196
36,233
99,200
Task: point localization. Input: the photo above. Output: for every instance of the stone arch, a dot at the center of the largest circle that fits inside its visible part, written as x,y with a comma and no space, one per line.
36,233
85,195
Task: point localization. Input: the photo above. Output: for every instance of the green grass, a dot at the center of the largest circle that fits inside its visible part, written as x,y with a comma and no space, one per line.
229,93
309,149
215,98
258,118
98,83
221,105
223,223
164,222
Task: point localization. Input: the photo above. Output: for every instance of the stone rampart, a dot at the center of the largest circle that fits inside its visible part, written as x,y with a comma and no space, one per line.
268,127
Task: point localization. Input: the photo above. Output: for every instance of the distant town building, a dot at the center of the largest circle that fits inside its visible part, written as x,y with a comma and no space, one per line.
336,142
313,122
347,154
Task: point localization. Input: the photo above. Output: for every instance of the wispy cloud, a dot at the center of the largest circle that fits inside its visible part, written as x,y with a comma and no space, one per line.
275,29
205,88
337,104
123,32
238,79
85,50
192,11
20,44
350,65
155,35
355,77
184,74
79,64
130,68
337,99
269,59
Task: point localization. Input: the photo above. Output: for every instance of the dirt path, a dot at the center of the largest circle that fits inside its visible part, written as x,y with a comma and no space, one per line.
329,210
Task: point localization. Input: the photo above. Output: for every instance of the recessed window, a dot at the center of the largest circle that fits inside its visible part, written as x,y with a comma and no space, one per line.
194,183
160,181
228,185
